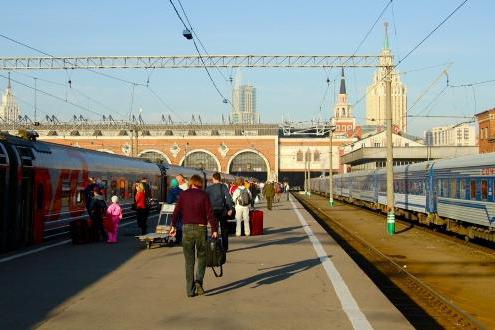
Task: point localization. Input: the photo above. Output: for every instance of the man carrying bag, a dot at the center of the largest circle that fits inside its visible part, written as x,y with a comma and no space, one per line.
222,205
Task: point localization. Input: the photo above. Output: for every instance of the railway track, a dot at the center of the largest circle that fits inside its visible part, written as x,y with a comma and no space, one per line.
423,306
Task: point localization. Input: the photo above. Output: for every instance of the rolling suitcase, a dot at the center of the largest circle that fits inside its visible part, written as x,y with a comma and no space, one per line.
256,222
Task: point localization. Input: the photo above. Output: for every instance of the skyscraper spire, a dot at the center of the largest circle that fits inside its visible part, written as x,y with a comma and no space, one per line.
342,83
387,44
9,86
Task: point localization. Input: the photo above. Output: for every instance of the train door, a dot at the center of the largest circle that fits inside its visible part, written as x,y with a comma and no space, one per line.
431,198
25,189
4,197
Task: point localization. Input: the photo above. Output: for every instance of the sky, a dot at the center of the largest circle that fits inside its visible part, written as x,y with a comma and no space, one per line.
70,28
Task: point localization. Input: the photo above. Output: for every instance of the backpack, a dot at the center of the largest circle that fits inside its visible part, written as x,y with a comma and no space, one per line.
277,188
215,255
244,197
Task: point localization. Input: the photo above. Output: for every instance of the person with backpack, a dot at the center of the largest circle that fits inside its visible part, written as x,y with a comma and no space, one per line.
242,198
98,211
222,204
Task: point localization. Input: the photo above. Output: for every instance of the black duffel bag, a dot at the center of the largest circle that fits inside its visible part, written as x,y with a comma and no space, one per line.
215,255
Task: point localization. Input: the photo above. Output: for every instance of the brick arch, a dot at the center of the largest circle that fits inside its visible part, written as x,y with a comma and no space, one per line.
219,167
267,163
161,153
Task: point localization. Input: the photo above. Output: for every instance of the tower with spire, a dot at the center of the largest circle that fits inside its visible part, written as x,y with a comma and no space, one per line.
375,99
9,110
343,119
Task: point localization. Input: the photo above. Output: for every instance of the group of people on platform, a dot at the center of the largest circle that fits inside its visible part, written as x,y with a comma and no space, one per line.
106,218
195,208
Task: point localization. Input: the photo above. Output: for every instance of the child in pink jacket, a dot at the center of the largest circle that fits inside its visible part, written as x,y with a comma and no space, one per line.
115,212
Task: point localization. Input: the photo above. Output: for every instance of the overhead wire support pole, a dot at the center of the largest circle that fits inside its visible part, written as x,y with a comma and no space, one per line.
331,202
390,150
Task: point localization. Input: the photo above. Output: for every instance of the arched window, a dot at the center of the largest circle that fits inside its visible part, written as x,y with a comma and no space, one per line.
154,157
248,162
202,160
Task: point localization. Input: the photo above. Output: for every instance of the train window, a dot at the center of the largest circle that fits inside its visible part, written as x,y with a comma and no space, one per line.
484,190
473,189
445,188
453,188
462,189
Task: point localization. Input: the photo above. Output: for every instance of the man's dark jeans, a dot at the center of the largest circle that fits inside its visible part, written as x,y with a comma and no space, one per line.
224,228
194,245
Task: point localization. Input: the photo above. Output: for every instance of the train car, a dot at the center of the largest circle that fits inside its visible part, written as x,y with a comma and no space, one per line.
44,186
456,194
46,183
463,192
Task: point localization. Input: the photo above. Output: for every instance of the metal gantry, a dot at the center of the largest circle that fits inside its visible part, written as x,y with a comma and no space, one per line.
188,61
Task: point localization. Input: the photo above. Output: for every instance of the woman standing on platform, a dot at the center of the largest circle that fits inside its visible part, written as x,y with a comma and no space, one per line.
141,210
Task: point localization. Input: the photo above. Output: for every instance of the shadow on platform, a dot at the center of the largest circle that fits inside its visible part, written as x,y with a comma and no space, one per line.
284,241
33,286
273,275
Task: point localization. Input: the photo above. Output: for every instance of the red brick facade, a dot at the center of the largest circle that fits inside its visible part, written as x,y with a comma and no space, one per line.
486,121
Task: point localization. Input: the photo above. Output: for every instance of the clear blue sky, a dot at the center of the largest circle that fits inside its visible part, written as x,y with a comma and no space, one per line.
255,27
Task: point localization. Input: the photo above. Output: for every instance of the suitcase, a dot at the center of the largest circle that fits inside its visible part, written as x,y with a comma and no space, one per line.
256,222
80,232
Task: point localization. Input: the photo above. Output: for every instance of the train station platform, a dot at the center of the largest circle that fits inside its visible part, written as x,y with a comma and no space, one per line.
293,277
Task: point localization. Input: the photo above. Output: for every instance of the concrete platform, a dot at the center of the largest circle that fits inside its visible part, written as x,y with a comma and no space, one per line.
295,276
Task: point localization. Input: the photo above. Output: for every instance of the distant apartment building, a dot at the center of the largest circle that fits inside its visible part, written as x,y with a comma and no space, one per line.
486,122
9,110
458,135
244,105
375,99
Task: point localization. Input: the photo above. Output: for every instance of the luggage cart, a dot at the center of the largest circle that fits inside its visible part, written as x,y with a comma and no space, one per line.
161,235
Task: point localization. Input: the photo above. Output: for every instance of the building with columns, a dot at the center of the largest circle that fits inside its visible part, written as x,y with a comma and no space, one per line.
375,97
9,110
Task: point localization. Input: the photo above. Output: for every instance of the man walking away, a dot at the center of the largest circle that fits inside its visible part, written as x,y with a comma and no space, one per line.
253,189
195,208
269,193
242,199
222,204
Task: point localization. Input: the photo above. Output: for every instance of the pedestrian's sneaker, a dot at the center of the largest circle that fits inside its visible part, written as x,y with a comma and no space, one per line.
199,289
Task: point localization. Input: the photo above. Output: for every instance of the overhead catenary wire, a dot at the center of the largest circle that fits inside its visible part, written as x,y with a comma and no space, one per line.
413,49
200,55
76,90
53,96
199,40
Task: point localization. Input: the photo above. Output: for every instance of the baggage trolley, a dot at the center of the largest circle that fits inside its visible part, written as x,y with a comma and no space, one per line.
161,235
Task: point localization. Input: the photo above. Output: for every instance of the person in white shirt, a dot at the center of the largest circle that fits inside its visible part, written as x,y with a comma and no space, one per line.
242,199
183,184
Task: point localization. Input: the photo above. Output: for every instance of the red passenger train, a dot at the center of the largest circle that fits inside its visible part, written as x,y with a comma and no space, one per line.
42,186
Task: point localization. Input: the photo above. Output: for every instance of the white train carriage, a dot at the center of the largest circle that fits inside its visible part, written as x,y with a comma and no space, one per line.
464,189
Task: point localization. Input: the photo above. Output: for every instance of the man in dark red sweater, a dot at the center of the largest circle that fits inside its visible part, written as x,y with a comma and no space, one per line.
195,207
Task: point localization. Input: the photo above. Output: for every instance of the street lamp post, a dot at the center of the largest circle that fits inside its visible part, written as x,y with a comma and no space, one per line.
331,129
